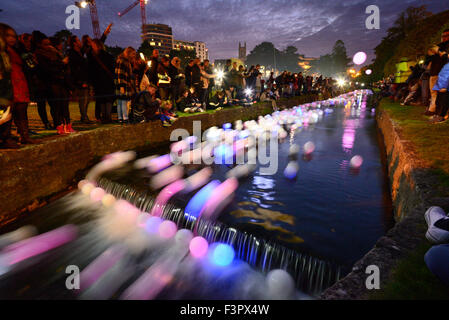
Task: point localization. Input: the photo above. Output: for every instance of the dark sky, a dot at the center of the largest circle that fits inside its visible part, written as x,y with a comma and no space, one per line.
311,26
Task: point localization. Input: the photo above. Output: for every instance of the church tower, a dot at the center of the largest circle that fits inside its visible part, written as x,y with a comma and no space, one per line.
242,52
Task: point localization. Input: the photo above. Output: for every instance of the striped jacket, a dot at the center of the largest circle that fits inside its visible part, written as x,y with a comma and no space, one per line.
124,78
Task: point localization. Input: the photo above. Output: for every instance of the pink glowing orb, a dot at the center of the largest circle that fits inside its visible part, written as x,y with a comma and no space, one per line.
198,247
368,71
97,194
356,162
359,58
309,147
124,207
167,229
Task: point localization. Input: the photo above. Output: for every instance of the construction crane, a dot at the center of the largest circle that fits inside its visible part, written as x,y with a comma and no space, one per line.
93,15
142,10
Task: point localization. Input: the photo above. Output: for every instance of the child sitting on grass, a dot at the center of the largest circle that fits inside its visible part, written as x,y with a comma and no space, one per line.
166,114
193,104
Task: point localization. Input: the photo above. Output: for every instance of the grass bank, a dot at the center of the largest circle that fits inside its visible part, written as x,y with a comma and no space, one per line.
411,279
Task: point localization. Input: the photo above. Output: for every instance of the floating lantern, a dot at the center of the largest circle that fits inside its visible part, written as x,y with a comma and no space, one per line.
198,247
309,147
356,162
167,229
222,255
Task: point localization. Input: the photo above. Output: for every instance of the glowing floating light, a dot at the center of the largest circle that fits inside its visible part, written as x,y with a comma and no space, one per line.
222,255
108,200
198,247
356,162
184,236
152,224
87,188
368,72
280,285
309,147
359,58
97,194
291,170
82,183
167,229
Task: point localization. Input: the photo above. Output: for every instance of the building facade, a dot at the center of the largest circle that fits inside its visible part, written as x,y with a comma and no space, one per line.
242,52
183,45
201,51
159,36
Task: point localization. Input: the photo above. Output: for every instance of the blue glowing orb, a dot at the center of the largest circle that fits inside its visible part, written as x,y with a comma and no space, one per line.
222,255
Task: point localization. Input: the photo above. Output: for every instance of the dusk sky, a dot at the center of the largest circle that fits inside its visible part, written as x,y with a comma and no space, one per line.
311,26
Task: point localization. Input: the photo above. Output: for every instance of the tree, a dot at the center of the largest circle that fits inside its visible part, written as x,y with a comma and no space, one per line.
183,54
63,34
289,59
341,61
334,63
264,54
146,49
403,25
114,51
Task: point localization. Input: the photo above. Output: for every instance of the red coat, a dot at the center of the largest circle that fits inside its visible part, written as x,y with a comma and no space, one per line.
18,80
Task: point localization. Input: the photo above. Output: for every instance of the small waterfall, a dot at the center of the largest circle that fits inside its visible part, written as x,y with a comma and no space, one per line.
312,275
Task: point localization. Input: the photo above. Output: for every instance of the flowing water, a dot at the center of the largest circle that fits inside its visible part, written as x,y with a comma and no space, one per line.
314,226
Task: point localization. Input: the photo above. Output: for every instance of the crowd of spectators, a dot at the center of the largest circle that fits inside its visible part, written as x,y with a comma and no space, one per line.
427,84
48,71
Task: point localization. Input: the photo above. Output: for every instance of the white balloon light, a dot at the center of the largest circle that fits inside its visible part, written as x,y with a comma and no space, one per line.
359,58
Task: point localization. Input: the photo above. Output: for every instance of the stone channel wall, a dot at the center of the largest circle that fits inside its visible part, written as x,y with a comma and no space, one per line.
31,175
410,188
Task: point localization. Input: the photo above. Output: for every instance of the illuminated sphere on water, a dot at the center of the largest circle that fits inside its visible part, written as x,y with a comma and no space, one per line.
87,188
198,247
309,147
97,194
167,229
368,71
291,171
108,200
356,162
82,183
184,236
280,285
222,255
359,58
152,224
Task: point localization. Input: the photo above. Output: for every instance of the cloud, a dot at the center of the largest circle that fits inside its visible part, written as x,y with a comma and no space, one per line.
313,26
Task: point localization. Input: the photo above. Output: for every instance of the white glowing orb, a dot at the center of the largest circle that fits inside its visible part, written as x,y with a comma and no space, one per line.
359,58
368,71
280,285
